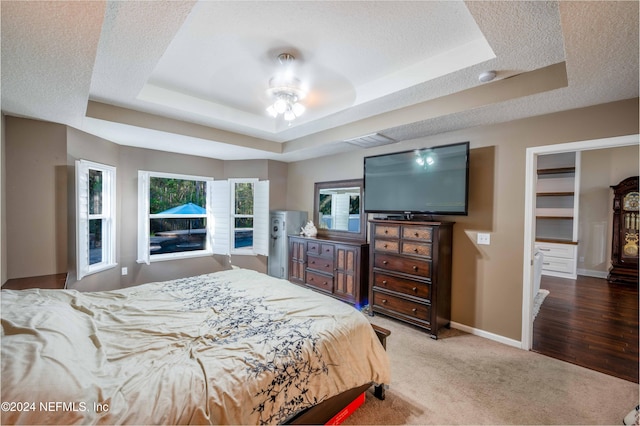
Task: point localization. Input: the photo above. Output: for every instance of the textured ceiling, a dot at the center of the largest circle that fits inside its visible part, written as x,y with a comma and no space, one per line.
191,76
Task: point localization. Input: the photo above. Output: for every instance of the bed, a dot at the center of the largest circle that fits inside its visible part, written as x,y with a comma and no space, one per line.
232,347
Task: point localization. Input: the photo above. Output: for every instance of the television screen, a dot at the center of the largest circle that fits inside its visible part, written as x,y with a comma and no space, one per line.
421,181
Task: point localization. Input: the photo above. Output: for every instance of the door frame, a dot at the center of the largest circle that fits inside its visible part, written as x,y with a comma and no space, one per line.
529,214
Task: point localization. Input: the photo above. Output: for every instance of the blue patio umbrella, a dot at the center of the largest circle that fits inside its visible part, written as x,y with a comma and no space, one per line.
188,208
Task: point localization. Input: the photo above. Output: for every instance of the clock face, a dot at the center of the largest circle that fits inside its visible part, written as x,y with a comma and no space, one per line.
631,202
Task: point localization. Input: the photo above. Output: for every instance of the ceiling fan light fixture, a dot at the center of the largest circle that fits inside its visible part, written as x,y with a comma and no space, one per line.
286,58
289,115
280,105
286,92
272,111
298,109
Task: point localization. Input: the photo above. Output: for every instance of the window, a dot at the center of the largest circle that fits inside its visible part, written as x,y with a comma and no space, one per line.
249,210
95,217
186,216
174,214
241,216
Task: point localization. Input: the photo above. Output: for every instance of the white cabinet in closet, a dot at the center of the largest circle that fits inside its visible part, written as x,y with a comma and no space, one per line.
557,193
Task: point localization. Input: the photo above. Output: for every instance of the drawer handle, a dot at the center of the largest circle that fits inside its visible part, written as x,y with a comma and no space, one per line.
386,231
414,310
310,278
416,234
415,250
385,246
384,282
384,262
325,283
313,262
327,265
384,300
415,289
544,249
546,263
415,268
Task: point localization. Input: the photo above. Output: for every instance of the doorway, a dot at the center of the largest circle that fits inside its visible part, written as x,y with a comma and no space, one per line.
529,220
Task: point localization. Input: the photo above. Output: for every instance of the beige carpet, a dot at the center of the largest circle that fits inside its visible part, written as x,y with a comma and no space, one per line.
465,379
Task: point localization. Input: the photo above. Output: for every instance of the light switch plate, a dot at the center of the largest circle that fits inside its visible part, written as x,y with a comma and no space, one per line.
484,238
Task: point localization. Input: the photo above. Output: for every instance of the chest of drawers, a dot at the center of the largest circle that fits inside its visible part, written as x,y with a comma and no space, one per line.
336,267
410,274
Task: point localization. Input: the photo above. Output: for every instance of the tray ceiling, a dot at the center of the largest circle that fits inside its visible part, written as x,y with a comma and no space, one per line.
191,76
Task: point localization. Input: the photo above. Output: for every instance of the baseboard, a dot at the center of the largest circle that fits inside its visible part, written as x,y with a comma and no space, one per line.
506,340
569,276
591,273
487,335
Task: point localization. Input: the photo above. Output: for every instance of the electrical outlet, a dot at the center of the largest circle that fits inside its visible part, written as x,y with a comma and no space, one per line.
125,271
484,238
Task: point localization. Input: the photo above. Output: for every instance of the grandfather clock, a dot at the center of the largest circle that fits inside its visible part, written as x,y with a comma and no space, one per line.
626,222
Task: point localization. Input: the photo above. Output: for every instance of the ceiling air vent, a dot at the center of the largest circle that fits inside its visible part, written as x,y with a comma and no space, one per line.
369,141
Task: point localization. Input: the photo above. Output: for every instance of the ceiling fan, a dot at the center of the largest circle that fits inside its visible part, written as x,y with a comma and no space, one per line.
286,91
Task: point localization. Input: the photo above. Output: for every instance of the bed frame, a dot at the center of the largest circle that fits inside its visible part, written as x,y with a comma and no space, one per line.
320,414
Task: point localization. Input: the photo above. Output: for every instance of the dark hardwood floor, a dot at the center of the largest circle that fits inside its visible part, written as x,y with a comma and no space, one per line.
591,323
55,281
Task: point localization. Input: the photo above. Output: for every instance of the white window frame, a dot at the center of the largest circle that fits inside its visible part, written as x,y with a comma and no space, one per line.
144,217
260,217
108,217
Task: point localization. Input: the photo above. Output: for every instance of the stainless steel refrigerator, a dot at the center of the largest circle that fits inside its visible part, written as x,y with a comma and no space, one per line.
283,223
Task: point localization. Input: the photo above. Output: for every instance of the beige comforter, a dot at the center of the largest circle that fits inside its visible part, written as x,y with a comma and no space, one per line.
234,347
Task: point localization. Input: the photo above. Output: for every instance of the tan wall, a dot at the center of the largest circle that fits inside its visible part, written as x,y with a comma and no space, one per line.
277,185
36,198
41,157
487,280
600,169
3,213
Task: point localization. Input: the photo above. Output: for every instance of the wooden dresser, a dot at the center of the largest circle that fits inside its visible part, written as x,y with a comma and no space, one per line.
410,275
335,267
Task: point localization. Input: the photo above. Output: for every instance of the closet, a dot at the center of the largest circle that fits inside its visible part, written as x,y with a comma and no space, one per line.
557,198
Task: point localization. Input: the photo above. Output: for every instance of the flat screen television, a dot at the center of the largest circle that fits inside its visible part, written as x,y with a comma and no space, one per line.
425,181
